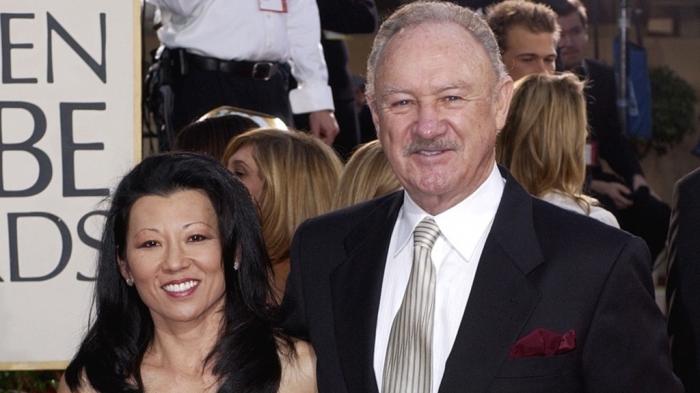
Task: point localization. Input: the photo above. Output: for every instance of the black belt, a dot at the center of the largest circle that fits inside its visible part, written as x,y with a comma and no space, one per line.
260,70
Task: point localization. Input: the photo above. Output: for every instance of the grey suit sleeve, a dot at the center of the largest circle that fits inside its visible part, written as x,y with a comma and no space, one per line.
627,349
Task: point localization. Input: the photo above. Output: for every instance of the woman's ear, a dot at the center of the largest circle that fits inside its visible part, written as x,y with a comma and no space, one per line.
125,271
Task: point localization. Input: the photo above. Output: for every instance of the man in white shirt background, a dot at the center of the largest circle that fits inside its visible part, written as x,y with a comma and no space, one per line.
240,53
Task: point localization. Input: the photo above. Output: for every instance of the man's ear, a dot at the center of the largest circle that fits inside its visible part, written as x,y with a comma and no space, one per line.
503,94
372,104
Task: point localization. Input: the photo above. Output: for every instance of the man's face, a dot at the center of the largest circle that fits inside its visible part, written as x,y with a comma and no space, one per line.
529,53
573,41
438,106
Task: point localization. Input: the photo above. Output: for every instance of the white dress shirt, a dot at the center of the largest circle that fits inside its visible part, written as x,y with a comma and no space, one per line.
238,29
463,232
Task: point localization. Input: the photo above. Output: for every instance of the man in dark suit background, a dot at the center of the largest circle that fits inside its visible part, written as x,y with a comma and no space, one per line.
463,282
627,193
683,287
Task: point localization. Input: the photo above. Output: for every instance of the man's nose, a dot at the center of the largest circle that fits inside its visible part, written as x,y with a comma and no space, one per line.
564,40
428,121
543,67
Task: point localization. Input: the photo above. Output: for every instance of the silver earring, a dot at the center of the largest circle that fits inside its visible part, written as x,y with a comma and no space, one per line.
236,265
129,281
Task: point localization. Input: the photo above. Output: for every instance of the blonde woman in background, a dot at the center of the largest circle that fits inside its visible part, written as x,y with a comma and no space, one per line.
543,142
292,176
367,175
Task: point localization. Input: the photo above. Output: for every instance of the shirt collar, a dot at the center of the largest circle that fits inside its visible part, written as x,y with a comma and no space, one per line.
461,225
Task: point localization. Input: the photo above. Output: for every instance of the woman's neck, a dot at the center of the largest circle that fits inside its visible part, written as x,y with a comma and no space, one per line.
183,346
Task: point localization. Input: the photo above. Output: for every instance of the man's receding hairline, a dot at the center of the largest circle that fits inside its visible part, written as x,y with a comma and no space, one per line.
380,59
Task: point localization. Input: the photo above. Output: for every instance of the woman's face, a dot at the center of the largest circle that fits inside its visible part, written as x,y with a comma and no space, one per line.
243,166
174,256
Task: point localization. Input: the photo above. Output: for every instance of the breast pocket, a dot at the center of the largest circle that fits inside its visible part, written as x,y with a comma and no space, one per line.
538,374
538,366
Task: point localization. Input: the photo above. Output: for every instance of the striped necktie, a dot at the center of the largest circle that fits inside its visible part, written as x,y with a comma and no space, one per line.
408,362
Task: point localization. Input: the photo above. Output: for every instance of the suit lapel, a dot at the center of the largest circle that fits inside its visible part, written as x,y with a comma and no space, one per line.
356,288
501,299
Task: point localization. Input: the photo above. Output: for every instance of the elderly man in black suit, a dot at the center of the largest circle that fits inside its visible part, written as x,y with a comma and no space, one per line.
683,288
462,282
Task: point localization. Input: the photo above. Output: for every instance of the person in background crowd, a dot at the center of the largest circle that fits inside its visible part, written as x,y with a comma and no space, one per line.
367,131
527,35
210,136
627,194
683,285
182,291
367,175
543,142
463,281
292,177
239,53
339,19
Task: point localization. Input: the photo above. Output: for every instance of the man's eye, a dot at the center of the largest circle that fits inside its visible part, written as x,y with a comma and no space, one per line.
452,98
401,103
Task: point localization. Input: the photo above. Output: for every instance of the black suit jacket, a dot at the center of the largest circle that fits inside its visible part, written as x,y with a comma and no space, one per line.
603,119
541,267
683,290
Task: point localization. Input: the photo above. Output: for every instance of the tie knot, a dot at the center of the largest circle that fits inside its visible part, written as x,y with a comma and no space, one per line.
426,233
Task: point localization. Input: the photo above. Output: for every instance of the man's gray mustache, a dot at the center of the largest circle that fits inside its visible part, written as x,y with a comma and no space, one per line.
422,144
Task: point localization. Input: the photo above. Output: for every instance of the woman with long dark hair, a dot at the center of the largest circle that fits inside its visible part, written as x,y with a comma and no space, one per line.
182,292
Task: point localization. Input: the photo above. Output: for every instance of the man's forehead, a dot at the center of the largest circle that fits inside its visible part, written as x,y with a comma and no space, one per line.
428,39
434,31
520,39
433,85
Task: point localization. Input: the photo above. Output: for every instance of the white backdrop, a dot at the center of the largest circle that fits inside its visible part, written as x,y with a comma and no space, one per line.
69,129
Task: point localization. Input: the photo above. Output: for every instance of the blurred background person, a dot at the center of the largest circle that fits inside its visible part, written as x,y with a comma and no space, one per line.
292,176
543,141
182,291
210,136
625,192
364,115
241,53
683,286
527,35
340,19
367,175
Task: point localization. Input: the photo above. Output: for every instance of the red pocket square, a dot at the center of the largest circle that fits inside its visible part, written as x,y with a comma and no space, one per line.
543,342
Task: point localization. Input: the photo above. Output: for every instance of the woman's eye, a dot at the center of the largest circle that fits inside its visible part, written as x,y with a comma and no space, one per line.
401,103
197,238
149,244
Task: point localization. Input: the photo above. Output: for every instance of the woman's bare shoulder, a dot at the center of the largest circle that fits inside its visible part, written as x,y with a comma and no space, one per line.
85,386
299,371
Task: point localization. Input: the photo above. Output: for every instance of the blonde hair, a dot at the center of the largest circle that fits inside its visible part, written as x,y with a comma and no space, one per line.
367,175
543,141
300,175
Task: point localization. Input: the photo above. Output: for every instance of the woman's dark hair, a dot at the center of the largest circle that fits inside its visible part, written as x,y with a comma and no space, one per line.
245,356
210,136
